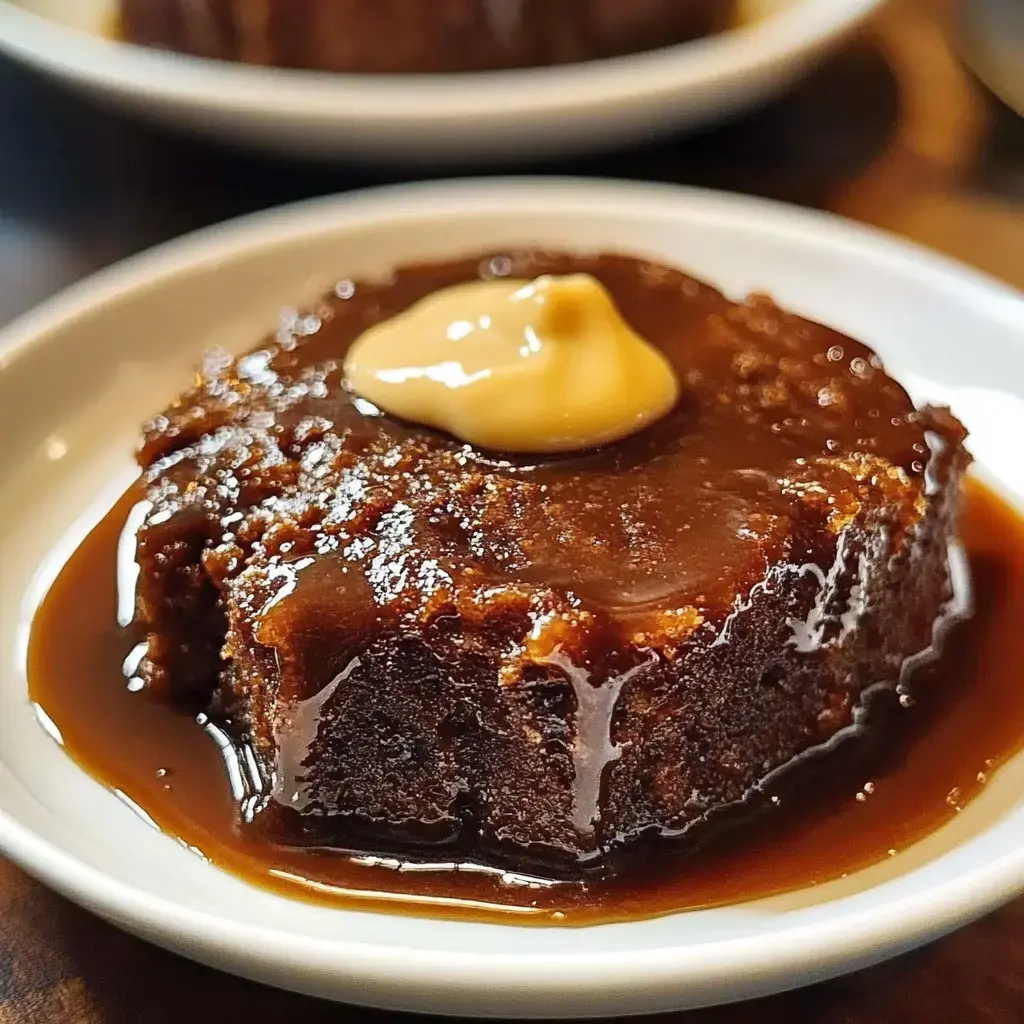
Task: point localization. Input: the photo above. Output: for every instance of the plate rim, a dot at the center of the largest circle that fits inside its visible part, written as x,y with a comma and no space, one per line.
748,51
370,970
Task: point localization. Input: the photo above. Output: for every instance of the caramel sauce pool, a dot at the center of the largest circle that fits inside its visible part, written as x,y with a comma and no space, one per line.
966,720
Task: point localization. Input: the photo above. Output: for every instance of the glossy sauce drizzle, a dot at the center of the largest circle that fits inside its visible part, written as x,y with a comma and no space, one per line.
964,723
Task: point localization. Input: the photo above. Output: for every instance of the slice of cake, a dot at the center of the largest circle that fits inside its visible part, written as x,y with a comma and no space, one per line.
542,660
399,36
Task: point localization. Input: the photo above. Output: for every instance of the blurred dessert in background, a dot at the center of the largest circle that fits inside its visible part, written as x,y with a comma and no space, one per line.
417,36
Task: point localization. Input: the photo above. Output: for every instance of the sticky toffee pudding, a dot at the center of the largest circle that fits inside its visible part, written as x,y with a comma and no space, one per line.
418,36
475,677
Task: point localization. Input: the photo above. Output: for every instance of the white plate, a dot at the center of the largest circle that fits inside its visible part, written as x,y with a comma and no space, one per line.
77,377
992,43
511,115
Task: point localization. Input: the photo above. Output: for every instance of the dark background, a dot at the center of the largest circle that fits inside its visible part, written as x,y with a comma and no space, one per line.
892,131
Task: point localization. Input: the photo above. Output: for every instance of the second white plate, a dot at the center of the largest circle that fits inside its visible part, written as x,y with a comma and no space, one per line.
483,117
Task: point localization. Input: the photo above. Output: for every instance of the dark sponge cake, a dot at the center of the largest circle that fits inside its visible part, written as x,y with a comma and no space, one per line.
418,35
541,661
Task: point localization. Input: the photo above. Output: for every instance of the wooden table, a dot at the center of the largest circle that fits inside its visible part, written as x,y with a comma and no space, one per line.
893,131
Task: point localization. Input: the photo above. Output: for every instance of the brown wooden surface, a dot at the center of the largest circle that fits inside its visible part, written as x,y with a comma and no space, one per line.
892,131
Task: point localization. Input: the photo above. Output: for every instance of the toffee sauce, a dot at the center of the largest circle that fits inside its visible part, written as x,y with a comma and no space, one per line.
967,719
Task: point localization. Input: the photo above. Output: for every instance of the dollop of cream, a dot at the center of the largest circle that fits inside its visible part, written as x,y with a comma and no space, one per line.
525,366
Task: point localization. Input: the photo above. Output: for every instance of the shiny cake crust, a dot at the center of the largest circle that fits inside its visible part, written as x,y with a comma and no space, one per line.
542,663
